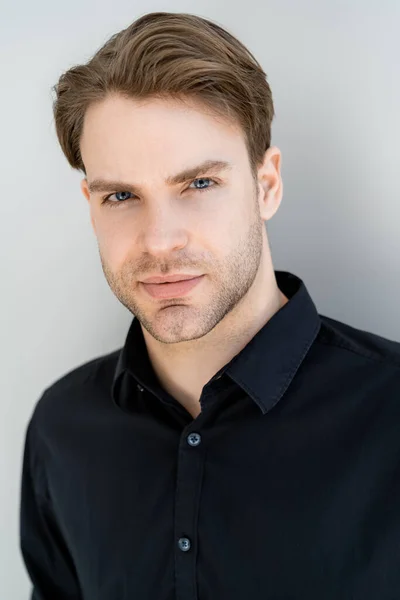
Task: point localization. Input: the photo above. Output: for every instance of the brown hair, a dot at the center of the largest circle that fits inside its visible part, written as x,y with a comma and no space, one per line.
169,55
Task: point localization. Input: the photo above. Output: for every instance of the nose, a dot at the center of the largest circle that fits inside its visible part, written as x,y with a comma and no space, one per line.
163,232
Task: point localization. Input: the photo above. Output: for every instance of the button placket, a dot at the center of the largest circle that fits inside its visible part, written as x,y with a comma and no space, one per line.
187,498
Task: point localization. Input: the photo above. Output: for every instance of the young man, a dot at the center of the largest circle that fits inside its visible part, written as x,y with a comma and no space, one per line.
239,445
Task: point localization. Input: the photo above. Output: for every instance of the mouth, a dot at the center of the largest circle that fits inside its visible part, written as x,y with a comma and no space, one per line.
171,290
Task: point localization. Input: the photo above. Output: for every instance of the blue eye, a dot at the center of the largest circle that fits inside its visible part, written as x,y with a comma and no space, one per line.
112,203
203,179
121,201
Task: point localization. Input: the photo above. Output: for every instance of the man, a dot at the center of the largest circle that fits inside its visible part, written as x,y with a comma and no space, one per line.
239,445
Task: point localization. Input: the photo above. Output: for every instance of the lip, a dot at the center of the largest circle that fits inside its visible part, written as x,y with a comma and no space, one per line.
169,278
171,290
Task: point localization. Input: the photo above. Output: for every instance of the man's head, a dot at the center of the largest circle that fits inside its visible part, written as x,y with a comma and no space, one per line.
165,95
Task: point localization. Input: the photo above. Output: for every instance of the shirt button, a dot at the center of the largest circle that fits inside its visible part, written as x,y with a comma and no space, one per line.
184,544
194,439
140,388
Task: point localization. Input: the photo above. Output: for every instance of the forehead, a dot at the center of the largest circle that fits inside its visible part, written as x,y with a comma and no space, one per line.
156,133
148,112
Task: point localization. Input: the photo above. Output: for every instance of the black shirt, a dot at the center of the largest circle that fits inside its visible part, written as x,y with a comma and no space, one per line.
285,487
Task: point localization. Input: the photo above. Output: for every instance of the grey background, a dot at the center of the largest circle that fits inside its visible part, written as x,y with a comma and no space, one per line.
334,70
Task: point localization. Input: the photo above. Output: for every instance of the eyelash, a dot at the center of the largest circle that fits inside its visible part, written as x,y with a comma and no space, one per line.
112,203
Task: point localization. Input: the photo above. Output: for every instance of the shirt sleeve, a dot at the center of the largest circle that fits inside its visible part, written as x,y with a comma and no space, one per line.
44,552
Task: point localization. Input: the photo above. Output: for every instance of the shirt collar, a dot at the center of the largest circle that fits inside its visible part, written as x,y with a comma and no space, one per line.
266,365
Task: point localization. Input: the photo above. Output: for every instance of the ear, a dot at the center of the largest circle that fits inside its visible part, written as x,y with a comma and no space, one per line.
86,193
270,182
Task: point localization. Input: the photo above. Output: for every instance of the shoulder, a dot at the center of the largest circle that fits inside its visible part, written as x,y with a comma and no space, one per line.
367,345
76,386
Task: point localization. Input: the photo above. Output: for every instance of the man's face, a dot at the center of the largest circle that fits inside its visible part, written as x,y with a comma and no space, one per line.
163,228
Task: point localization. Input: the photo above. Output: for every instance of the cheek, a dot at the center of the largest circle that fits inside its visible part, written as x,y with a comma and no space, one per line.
115,244
235,225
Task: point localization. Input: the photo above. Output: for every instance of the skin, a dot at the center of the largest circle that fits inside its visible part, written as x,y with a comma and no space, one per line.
162,229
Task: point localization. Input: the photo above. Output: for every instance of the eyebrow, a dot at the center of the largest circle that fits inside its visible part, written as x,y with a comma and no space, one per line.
102,185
